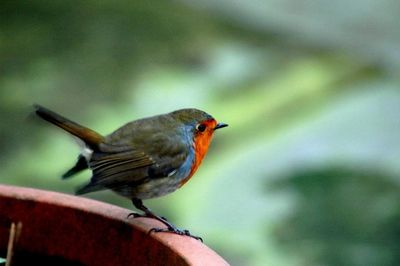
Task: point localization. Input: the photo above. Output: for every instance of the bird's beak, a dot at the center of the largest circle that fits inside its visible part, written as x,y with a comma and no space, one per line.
220,125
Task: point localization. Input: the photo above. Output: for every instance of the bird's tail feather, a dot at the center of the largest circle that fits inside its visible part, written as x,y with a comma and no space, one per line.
79,166
90,137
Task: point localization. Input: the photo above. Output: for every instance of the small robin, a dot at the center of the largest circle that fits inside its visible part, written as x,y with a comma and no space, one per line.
143,159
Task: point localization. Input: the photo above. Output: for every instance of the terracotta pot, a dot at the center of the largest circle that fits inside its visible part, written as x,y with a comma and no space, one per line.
59,229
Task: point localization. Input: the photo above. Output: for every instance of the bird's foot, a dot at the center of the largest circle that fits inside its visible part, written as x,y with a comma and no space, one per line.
175,230
135,215
138,215
170,227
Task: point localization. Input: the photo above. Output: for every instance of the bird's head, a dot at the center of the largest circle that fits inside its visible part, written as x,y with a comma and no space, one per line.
201,124
201,128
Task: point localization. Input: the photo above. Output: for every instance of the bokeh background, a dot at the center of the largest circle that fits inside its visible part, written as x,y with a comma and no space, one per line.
308,171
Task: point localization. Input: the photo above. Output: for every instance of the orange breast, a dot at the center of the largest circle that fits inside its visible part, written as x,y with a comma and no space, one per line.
200,144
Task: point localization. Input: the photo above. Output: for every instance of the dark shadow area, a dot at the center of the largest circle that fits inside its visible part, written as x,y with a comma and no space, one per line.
22,259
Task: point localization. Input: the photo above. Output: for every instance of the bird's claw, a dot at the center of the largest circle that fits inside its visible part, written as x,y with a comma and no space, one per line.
135,215
149,214
175,230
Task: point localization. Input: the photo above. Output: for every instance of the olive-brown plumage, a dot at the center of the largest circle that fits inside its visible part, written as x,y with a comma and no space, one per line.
143,159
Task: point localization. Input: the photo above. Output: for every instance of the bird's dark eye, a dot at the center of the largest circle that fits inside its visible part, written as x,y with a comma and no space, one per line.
201,127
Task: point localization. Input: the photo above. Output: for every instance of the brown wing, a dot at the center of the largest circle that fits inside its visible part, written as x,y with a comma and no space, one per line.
118,166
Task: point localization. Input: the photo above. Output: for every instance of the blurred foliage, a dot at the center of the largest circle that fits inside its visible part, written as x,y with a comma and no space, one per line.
310,90
338,217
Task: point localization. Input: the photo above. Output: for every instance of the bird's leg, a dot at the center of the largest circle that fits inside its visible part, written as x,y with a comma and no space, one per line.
148,213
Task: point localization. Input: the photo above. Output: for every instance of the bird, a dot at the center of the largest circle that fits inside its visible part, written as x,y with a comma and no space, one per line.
143,159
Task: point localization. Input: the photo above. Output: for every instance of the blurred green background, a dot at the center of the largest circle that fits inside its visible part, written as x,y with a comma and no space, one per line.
308,171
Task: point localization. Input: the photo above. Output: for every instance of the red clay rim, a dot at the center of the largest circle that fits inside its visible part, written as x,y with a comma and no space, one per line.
91,232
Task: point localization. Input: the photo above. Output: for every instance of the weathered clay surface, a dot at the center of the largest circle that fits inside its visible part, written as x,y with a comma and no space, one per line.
69,230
